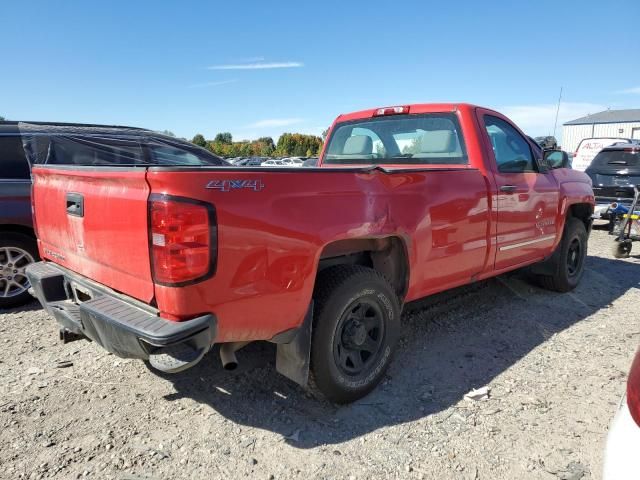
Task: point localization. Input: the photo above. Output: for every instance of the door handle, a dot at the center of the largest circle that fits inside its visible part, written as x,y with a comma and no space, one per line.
75,204
508,188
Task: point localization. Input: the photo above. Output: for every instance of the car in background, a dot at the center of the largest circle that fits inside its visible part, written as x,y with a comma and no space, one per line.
310,162
252,162
588,148
621,460
547,143
273,163
292,161
18,247
614,171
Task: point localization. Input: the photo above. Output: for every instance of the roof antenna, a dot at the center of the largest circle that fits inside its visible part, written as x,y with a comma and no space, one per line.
557,111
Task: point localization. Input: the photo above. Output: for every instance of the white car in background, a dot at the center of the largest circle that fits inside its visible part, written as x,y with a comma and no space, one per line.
588,148
273,163
621,456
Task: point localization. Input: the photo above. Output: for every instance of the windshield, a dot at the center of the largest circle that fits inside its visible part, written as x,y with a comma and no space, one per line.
398,139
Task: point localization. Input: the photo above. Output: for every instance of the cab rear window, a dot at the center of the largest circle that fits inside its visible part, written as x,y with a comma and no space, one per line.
398,139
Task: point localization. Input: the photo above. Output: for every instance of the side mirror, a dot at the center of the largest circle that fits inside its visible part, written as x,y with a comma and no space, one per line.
556,159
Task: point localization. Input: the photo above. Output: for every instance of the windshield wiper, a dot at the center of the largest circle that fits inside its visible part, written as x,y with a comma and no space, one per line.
617,162
402,155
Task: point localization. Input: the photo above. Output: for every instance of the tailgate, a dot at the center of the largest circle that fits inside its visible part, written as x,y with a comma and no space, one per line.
93,221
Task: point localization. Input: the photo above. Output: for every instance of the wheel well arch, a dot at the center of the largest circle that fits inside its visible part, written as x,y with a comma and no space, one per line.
581,211
388,255
13,228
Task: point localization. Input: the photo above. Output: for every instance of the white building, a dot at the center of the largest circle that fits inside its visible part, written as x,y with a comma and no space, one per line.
610,124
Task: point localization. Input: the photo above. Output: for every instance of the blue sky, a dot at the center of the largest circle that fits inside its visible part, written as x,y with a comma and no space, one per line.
262,68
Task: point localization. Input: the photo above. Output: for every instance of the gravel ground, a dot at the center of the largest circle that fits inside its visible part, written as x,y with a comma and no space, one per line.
555,365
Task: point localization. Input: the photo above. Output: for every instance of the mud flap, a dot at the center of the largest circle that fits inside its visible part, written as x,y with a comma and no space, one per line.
548,266
292,358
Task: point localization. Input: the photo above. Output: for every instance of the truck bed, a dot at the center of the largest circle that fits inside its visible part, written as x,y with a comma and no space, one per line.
273,227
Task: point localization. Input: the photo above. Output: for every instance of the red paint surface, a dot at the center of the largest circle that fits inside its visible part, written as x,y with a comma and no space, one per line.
451,222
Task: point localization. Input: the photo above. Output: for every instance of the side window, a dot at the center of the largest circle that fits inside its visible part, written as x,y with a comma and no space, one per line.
13,163
89,150
511,150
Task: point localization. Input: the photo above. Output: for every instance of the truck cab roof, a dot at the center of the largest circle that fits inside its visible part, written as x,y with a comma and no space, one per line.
412,109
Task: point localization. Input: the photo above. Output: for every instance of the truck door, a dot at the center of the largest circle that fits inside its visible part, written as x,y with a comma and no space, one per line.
527,199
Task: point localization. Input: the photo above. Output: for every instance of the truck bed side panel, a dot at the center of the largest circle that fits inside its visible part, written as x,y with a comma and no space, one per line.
271,237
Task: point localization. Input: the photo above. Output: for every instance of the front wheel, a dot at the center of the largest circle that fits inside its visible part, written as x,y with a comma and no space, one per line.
568,260
355,328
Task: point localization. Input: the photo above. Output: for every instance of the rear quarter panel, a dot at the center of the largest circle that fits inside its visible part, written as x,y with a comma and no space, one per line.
270,240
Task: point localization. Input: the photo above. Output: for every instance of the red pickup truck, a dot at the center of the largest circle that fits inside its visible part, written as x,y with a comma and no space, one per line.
162,260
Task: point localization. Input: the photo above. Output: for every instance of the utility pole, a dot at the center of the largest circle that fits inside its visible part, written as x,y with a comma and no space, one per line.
555,125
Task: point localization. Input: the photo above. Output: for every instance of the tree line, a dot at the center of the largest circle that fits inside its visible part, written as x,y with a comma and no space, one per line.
289,144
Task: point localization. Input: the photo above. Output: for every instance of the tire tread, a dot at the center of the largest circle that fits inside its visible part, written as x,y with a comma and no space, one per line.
328,281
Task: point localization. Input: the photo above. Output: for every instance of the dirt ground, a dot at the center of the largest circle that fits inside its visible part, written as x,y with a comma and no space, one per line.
555,364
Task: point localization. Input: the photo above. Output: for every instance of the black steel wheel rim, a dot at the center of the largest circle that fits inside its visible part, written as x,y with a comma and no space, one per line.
359,337
574,257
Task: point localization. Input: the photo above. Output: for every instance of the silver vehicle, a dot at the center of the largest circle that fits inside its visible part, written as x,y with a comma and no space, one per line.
273,163
621,460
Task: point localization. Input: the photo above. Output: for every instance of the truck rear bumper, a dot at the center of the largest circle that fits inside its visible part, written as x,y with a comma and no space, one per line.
118,323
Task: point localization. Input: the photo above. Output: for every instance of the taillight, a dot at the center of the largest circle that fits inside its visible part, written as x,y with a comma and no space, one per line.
391,111
183,240
633,389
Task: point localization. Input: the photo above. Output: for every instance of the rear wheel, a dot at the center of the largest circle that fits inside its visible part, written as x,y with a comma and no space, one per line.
17,250
356,324
569,260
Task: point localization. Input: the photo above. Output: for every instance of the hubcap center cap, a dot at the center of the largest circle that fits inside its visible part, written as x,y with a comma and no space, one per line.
355,334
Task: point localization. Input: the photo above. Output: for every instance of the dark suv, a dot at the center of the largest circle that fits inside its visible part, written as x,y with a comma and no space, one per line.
613,172
18,246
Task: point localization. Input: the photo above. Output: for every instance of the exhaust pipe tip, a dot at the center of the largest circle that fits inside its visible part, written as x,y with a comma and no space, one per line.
230,365
228,354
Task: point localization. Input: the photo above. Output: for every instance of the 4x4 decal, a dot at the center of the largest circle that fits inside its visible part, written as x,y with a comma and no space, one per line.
228,185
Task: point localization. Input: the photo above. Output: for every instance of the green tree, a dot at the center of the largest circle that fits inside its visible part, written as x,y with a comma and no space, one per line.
199,140
298,144
2,119
325,132
224,137
168,132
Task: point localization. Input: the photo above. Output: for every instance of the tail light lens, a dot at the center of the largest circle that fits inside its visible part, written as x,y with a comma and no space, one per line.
633,389
183,240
